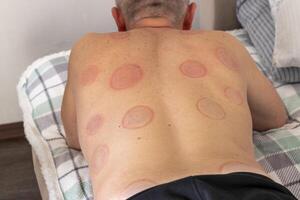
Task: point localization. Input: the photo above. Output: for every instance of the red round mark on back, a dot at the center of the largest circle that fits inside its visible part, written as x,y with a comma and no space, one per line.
226,59
99,158
136,187
94,124
126,76
193,69
211,109
119,35
234,96
89,75
137,117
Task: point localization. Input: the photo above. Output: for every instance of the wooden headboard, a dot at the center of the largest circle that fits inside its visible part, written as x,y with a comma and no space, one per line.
217,14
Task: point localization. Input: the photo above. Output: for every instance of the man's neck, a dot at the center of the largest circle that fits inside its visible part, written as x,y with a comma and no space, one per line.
157,22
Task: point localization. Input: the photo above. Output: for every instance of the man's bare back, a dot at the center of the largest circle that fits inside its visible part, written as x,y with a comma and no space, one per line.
154,105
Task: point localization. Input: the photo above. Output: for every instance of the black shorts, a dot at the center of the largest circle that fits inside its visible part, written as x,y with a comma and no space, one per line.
233,186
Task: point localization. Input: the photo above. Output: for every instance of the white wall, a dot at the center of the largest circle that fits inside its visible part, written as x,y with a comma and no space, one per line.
34,28
218,14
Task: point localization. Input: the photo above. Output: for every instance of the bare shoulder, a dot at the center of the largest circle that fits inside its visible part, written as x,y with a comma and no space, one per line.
235,50
231,44
88,40
225,39
84,47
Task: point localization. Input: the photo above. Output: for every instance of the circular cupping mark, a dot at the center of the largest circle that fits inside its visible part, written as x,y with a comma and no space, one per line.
211,109
226,59
136,187
126,76
138,117
99,158
234,96
89,75
94,124
193,69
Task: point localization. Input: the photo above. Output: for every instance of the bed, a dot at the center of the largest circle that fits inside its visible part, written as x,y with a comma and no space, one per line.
62,173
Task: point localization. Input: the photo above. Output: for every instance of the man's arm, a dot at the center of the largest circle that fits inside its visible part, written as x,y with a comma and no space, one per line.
267,108
68,111
68,115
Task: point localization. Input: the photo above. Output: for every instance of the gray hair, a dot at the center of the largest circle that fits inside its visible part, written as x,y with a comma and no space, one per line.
134,10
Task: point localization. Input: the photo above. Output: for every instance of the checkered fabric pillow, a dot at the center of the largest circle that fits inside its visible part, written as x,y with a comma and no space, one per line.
256,17
41,90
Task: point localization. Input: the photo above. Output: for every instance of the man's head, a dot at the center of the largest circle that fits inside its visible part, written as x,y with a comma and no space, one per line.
130,14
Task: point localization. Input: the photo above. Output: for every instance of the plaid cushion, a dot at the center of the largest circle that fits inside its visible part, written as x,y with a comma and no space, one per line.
42,87
256,17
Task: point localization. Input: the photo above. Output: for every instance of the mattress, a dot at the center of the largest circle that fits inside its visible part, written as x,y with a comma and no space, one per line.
64,171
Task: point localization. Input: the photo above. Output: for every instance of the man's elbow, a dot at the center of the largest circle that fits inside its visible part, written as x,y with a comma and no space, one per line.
72,143
281,120
265,124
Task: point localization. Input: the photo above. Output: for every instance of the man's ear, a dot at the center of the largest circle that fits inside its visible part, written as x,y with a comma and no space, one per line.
189,17
116,13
